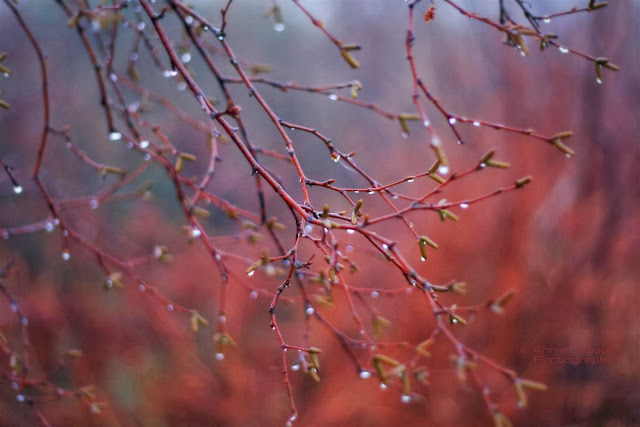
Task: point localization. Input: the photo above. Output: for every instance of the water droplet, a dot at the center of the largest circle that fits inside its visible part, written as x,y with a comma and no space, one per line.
350,231
365,375
25,321
459,142
454,320
278,26
563,49
219,356
383,386
333,97
14,307
251,273
599,80
385,247
115,136
483,165
48,226
371,192
93,203
147,157
173,73
222,319
411,180
476,124
6,74
144,144
336,158
308,228
170,307
426,123
133,56
522,53
20,397
188,19
547,20
66,256
452,120
405,398
443,169
295,367
140,26
375,294
195,232
394,197
253,294
185,58
464,205
405,135
221,36
17,189
309,311
15,385
142,287
65,232
423,259
349,248
113,77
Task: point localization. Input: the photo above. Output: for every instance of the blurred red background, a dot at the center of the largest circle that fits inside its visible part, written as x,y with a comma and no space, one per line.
566,243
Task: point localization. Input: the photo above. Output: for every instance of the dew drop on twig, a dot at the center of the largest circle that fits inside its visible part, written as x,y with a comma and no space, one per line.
452,120
66,255
563,49
333,97
365,375
278,26
115,136
464,205
17,189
